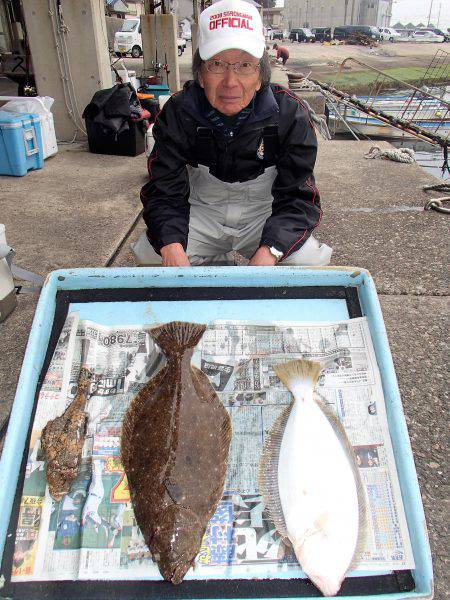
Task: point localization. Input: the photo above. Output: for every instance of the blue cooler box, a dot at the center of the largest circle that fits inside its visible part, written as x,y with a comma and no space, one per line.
20,143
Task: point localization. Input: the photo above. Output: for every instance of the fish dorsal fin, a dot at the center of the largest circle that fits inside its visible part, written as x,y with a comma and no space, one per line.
177,336
295,372
268,473
339,430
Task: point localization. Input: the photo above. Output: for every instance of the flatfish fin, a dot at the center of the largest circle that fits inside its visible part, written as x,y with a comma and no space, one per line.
134,411
340,432
176,336
268,474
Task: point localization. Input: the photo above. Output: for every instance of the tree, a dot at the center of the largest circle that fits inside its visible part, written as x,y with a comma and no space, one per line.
410,26
268,3
432,25
420,26
398,26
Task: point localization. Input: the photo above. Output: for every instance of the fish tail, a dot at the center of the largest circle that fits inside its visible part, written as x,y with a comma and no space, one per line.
177,336
298,372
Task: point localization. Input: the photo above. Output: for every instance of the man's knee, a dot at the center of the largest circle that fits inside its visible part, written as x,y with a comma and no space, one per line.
311,254
143,252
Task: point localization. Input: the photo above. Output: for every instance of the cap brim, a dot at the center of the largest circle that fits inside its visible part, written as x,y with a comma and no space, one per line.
212,48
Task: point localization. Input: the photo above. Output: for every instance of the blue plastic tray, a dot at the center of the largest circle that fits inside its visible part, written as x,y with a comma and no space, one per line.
205,306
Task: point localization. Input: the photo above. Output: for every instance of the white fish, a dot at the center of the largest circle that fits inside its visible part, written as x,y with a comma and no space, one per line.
310,483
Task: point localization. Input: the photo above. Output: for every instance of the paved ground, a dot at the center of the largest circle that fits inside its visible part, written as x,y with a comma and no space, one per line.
80,208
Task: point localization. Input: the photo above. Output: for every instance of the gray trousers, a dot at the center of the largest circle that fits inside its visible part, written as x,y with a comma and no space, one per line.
228,218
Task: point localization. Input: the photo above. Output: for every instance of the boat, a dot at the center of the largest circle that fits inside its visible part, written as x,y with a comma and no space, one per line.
431,114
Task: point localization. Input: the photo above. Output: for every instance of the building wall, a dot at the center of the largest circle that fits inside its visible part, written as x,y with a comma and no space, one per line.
182,8
135,8
332,13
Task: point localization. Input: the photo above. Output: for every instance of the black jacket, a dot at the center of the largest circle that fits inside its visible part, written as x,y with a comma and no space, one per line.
183,135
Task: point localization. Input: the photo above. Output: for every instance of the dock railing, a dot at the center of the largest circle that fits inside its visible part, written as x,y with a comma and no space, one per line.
422,111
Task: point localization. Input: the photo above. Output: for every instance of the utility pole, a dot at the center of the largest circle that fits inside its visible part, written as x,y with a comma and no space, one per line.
439,16
352,22
345,15
429,15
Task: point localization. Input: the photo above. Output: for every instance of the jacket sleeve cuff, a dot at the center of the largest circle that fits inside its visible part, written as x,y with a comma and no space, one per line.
270,242
175,238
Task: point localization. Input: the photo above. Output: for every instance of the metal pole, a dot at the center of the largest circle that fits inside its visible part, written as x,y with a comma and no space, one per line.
429,15
345,15
439,16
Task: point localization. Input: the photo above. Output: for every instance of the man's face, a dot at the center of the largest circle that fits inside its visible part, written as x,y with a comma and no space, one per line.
229,92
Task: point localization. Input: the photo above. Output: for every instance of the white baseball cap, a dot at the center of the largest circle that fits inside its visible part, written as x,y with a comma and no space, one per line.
230,24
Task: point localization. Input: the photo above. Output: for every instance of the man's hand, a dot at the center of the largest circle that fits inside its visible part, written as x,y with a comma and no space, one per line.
262,258
173,255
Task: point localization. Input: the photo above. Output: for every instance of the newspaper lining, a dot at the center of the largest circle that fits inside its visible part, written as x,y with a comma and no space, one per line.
92,533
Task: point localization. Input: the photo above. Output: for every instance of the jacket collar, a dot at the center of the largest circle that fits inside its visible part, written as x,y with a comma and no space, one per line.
196,104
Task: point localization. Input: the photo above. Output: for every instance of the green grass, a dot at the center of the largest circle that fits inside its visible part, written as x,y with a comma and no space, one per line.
362,81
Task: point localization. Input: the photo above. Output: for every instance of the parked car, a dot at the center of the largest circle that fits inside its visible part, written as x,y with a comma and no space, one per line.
345,32
389,34
302,34
277,34
440,32
129,40
322,34
424,35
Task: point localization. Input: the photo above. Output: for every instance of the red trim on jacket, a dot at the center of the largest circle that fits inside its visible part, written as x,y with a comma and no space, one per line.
149,164
315,191
300,102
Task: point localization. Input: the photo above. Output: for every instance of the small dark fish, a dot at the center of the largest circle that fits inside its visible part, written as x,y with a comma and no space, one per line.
175,441
62,440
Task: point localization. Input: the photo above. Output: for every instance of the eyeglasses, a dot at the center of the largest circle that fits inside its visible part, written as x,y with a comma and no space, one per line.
219,67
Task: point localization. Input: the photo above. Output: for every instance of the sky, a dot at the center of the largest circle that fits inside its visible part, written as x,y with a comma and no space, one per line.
416,11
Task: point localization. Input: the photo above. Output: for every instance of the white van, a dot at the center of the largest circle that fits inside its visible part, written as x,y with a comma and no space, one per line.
129,40
387,33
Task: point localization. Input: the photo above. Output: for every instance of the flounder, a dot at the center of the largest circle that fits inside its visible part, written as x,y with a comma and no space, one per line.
310,482
62,440
175,441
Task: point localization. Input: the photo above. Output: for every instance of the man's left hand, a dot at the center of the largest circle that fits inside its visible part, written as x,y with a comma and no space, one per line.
262,258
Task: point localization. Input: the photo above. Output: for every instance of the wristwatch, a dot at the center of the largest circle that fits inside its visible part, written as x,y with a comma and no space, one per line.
276,253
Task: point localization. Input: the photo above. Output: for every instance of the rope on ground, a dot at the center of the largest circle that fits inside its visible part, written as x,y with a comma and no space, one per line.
438,204
439,187
402,155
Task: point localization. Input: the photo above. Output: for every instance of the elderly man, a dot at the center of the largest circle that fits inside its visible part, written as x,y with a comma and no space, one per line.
232,166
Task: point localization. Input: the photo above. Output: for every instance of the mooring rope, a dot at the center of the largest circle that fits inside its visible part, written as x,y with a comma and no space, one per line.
402,155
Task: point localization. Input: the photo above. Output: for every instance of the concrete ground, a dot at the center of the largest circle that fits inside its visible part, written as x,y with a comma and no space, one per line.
80,211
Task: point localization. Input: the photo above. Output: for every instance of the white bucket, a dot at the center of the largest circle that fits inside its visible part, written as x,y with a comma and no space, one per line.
8,299
149,141
128,76
162,100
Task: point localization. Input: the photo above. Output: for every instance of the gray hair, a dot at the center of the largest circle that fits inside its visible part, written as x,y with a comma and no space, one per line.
264,68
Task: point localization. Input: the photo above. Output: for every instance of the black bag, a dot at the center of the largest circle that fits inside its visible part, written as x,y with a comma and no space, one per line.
112,122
